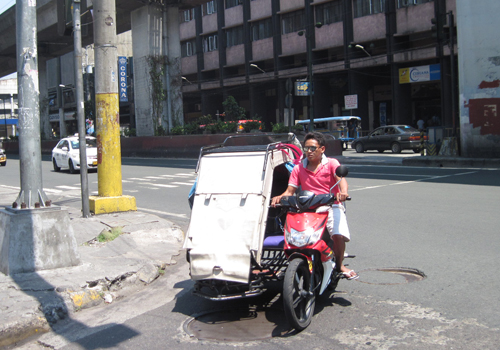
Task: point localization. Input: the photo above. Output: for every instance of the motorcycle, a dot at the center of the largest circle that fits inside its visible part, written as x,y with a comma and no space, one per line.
309,248
236,245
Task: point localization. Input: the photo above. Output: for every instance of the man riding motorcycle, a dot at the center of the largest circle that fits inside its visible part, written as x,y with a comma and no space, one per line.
316,173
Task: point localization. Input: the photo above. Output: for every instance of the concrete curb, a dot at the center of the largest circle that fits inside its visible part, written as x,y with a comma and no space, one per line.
452,162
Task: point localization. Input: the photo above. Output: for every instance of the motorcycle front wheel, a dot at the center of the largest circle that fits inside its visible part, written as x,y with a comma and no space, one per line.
298,301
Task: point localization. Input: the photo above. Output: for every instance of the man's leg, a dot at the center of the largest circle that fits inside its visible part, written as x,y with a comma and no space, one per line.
339,250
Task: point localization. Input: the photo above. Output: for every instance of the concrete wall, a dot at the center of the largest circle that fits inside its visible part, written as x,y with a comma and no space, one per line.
479,78
180,146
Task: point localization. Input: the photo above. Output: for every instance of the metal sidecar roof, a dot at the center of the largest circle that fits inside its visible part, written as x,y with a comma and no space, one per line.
229,215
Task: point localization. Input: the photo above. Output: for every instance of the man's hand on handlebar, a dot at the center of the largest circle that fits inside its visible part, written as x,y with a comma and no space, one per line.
276,201
342,196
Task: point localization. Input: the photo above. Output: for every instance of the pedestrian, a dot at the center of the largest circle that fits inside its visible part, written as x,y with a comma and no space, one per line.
421,124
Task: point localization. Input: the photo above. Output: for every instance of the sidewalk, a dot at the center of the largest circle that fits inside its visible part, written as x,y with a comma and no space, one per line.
31,302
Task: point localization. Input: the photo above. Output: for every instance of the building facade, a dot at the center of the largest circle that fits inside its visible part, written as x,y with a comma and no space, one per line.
392,56
8,108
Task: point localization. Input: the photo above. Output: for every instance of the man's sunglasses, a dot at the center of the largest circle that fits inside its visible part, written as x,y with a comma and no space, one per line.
310,148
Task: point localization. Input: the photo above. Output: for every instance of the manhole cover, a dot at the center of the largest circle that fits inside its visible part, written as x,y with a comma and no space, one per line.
390,275
237,325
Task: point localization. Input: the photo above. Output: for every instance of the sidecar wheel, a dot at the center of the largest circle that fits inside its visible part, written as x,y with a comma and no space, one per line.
298,302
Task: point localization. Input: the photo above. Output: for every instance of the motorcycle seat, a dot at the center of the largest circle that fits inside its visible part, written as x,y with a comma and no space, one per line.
274,242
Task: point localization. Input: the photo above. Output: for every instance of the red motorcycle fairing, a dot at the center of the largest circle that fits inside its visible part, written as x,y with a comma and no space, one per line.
306,223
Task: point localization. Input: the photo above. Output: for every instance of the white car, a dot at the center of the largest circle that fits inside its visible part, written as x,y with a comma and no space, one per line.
66,154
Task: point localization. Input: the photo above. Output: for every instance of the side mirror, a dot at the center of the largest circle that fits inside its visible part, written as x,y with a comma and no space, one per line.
65,149
342,171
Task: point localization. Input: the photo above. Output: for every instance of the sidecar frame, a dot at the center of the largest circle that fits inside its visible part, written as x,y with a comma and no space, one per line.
234,241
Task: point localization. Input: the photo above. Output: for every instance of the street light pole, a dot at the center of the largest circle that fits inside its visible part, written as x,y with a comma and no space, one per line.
77,32
309,37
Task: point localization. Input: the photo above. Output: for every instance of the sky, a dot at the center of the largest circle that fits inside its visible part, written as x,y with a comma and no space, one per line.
6,4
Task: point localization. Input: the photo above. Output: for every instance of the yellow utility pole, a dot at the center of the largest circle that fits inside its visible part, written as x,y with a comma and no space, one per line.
110,197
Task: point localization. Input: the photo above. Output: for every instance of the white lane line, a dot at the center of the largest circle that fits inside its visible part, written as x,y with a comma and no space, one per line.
126,181
51,190
153,177
408,182
11,187
183,174
136,178
384,174
68,187
161,185
183,183
163,213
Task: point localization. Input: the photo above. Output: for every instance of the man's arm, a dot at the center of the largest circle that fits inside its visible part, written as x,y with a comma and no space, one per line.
343,188
290,191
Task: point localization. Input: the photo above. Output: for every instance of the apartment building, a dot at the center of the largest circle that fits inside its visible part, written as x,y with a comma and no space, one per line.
391,56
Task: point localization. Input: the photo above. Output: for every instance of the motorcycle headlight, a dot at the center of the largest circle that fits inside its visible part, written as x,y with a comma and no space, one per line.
302,238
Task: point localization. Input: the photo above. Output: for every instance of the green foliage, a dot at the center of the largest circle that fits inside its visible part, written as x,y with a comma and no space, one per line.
157,66
228,127
130,132
160,131
108,236
252,125
279,128
232,110
192,128
177,130
205,120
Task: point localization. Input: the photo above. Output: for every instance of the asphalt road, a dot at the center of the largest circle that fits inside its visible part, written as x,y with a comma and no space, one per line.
440,222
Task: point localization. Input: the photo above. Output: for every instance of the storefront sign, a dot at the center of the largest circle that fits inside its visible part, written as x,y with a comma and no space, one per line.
351,101
419,74
122,69
302,88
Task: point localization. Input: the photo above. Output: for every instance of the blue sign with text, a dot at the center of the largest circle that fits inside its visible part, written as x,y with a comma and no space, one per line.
122,81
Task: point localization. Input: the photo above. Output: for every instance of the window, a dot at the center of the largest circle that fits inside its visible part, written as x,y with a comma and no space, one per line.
188,48
210,43
368,7
187,15
233,3
329,12
406,3
262,29
234,36
209,8
293,21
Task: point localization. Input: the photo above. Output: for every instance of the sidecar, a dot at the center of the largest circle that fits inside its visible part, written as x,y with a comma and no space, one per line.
234,243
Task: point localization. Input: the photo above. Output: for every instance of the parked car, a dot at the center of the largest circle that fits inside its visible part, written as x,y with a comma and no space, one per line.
3,157
66,154
390,137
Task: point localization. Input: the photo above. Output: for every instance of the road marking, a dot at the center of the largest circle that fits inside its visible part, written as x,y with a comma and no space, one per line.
153,177
408,182
161,185
51,190
136,178
68,187
183,174
163,213
384,174
183,183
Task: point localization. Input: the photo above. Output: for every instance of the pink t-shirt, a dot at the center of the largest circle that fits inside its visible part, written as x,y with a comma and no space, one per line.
319,182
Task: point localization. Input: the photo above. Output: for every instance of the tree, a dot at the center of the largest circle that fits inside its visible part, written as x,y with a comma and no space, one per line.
232,110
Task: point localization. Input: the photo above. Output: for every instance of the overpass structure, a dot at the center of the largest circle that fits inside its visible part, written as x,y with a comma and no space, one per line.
155,32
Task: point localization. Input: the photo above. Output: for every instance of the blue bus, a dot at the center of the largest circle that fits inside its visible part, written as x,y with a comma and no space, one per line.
344,128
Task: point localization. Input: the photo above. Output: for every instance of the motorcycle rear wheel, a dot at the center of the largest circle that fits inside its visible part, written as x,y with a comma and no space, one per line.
298,302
